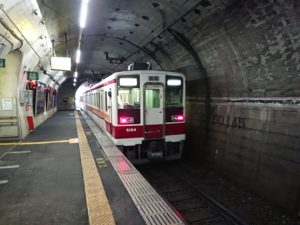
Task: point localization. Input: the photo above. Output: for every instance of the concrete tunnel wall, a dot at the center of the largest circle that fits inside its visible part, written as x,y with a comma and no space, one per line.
242,63
243,99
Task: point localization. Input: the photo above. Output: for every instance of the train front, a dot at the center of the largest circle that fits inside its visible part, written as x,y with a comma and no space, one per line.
150,115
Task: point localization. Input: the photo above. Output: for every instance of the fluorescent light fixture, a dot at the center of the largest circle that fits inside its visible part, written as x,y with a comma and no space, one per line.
78,53
83,13
74,84
74,80
61,63
128,82
174,82
76,74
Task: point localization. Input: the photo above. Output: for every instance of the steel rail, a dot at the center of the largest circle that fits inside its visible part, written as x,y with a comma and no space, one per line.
225,211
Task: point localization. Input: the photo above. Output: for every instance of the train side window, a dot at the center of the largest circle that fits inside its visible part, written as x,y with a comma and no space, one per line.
101,102
94,99
106,101
96,103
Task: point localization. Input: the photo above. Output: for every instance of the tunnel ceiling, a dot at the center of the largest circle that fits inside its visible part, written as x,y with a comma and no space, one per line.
119,32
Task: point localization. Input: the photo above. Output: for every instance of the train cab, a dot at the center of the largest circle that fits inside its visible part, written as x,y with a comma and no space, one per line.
142,111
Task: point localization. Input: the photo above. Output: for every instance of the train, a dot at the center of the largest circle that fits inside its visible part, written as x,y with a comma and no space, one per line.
142,111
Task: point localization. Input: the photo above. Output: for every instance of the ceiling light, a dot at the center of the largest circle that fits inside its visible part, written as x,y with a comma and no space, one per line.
76,74
78,56
83,13
74,80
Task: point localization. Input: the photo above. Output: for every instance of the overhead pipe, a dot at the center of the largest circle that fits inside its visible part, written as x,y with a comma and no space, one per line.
20,33
12,33
12,45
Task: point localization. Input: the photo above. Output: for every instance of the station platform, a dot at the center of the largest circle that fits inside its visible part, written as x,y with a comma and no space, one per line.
67,171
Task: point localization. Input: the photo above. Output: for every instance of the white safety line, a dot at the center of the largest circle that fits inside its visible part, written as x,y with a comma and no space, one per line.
3,181
19,152
11,148
9,167
70,141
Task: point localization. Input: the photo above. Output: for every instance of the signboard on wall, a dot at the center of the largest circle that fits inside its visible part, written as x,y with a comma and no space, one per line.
2,63
32,75
7,104
61,63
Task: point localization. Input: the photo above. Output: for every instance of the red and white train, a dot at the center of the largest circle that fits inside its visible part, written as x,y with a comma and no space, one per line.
142,111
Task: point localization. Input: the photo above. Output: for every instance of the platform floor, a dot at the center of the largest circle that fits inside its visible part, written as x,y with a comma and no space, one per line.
67,172
44,181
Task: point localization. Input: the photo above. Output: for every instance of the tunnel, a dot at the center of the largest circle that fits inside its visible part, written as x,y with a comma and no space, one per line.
240,59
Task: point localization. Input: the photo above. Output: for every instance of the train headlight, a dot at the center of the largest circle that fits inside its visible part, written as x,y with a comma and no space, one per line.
126,120
178,118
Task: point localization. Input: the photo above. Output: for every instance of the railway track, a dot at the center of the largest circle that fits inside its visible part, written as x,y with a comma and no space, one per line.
194,204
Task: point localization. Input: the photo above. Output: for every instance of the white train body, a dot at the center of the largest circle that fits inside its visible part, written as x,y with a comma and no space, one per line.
143,112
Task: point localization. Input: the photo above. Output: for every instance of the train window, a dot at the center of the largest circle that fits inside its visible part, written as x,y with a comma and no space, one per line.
174,91
128,92
152,98
106,102
128,98
101,100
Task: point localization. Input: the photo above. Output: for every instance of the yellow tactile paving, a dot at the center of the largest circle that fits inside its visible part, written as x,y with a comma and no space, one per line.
99,210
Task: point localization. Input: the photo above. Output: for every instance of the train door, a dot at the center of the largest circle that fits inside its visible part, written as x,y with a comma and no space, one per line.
153,111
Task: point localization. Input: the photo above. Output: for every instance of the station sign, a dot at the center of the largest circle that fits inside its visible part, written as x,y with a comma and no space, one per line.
2,63
32,75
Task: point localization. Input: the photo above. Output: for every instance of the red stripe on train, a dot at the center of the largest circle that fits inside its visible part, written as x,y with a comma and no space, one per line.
102,85
153,131
127,132
174,128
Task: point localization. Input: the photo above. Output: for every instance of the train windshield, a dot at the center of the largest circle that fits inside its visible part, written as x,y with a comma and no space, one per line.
128,92
174,91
